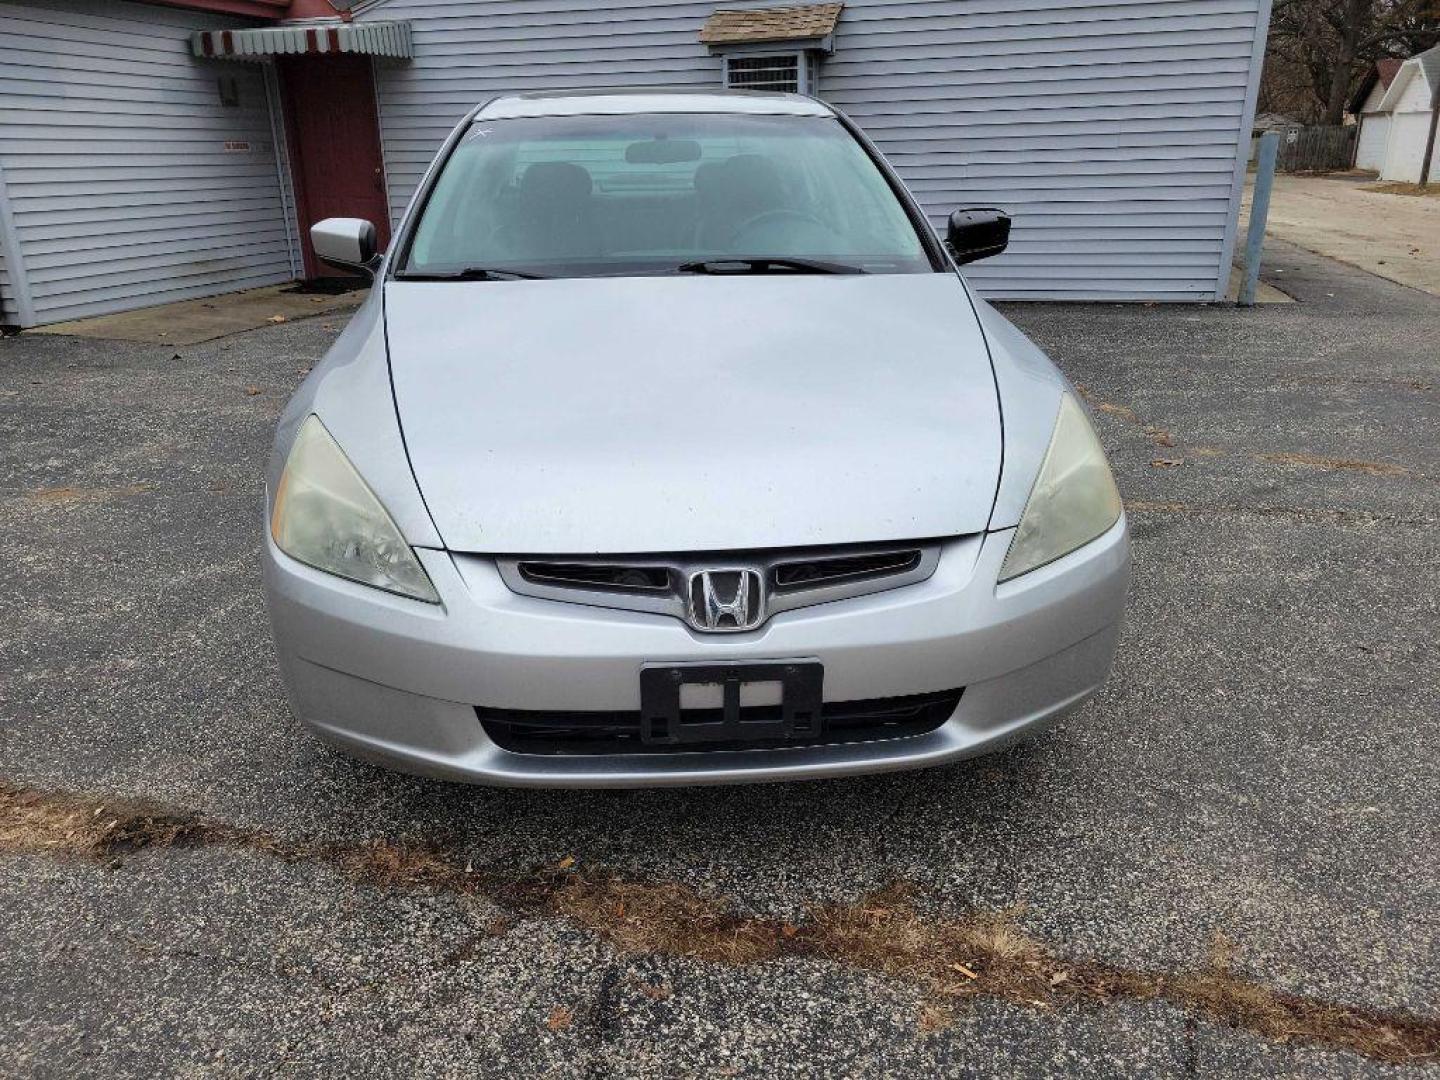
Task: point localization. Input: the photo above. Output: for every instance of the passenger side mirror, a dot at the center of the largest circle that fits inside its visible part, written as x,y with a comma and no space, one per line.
977,233
345,242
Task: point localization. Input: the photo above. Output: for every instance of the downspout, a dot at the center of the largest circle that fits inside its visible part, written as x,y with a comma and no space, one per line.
14,260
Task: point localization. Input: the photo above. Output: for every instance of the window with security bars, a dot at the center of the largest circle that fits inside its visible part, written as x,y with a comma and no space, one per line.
783,72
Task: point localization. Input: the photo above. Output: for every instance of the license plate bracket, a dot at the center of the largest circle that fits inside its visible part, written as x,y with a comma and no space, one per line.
664,723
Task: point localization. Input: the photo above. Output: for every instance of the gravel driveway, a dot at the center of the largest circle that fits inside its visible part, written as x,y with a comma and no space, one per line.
1236,840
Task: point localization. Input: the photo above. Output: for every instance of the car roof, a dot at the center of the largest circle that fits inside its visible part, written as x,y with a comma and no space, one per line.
624,102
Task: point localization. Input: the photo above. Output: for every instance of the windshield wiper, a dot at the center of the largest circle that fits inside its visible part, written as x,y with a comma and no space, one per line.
473,273
767,264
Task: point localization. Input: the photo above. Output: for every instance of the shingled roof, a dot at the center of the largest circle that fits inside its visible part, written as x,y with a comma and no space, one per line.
1383,73
726,27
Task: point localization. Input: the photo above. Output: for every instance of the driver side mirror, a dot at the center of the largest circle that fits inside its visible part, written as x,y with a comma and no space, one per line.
977,233
348,243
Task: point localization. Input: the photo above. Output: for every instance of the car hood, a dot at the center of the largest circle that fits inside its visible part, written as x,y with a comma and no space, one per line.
694,413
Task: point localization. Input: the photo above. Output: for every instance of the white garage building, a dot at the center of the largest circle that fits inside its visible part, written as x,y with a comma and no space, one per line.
1394,107
154,151
1409,103
1374,122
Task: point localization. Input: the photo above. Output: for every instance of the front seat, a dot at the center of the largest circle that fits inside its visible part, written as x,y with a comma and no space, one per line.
732,192
554,215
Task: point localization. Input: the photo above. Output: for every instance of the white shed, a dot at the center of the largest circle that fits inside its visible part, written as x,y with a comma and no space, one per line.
1374,122
1410,102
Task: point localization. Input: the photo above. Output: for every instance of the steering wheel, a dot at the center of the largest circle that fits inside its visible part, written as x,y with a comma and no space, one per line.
765,217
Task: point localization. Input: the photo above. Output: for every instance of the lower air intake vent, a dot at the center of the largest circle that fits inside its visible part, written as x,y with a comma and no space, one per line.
581,733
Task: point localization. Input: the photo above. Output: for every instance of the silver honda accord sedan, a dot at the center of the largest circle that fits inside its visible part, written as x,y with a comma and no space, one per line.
671,447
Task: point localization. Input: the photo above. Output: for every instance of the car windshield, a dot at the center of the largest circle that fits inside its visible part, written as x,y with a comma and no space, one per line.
577,196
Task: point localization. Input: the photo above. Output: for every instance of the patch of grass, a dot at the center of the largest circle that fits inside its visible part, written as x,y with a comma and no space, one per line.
85,495
1370,468
32,823
1395,187
953,958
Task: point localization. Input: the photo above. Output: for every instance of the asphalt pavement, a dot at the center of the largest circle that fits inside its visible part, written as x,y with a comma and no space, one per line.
1262,769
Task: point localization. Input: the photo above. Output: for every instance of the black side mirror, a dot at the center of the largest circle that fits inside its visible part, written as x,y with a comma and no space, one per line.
977,233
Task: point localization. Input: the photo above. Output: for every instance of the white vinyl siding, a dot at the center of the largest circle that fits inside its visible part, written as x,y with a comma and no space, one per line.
1409,128
9,310
1110,129
1374,137
1405,152
129,182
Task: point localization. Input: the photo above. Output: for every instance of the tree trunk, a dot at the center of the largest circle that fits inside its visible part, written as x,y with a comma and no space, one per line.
1343,71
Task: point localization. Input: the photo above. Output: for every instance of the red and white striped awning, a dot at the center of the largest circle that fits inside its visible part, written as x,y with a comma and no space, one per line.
365,39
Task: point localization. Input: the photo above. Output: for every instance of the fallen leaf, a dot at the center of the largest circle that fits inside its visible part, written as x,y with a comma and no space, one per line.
1159,436
565,863
1167,463
934,1018
654,991
1118,410
560,1018
1059,977
789,929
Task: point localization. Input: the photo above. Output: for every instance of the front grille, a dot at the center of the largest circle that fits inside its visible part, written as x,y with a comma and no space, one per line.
624,577
774,581
590,732
810,573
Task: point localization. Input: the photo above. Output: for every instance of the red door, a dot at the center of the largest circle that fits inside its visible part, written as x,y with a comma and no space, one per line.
334,140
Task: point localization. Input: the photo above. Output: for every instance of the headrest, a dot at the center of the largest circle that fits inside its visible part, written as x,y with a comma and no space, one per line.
555,182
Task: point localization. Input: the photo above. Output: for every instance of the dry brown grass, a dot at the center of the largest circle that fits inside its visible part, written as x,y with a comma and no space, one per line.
1395,187
953,958
42,824
85,495
1370,468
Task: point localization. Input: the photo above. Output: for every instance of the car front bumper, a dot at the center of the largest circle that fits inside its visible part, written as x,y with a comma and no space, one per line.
398,681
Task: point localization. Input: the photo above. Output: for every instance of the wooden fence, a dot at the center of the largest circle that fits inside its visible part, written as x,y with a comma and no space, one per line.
1317,149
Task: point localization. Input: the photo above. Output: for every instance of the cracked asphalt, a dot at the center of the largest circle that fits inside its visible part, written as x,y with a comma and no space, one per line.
1262,765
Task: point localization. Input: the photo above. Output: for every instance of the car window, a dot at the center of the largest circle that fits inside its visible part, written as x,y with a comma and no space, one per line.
595,195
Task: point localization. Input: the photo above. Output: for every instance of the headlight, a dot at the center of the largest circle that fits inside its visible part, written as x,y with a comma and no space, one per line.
1073,501
326,517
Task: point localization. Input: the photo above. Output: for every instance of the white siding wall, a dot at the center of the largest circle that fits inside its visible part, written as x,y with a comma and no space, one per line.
112,139
1374,135
1109,128
8,311
1374,130
1406,150
1409,130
